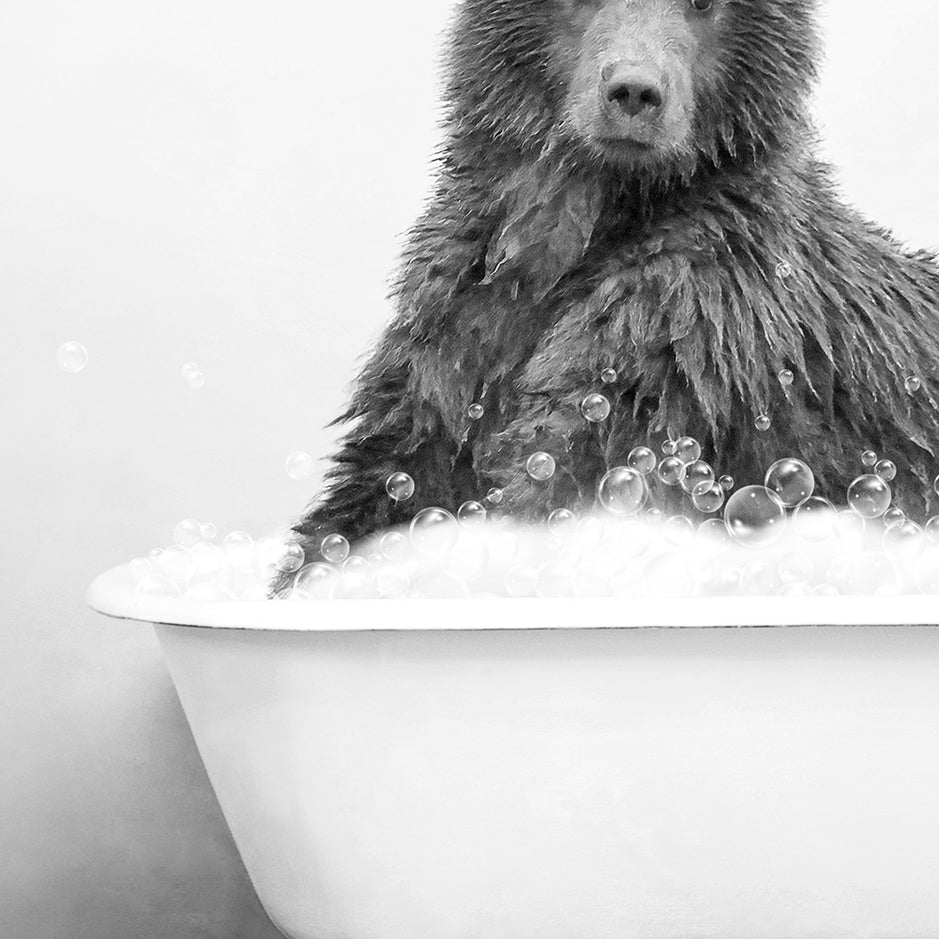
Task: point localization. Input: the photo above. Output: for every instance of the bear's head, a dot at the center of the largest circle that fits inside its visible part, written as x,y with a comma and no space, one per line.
634,83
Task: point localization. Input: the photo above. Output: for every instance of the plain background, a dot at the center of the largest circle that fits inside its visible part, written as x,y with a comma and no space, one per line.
225,183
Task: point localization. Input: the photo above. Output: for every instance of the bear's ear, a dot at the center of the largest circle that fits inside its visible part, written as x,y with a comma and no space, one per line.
547,222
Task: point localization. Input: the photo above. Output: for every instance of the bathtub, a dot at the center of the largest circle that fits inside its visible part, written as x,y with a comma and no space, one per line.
569,769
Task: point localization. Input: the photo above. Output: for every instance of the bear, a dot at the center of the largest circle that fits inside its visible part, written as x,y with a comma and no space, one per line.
629,202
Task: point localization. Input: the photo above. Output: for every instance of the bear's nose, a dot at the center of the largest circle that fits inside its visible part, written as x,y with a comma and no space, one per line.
631,91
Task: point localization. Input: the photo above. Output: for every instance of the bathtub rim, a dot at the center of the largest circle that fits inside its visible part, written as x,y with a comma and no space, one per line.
113,594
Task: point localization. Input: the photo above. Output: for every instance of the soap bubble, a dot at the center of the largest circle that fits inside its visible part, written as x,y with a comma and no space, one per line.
71,357
187,533
399,486
608,376
727,483
622,491
392,582
714,531
869,496
655,516
796,568
475,411
671,471
678,530
433,530
668,447
239,549
595,408
140,568
561,521
913,384
158,585
495,496
687,449
521,581
786,377
472,513
814,519
354,564
886,470
555,579
315,582
932,529
868,457
754,516
696,473
299,465
893,516
708,497
541,466
642,460
791,480
784,270
334,548
209,531
763,422
935,485
193,375
176,562
393,545
291,558
905,539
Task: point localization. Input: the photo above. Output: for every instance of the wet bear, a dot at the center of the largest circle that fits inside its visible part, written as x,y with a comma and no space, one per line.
628,203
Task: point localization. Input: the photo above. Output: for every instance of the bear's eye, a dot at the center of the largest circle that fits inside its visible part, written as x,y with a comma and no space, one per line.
701,6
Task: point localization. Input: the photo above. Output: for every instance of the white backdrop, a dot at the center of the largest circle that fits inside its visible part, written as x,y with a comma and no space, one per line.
225,184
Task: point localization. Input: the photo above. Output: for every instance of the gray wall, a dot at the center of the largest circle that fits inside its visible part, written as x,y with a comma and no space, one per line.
224,183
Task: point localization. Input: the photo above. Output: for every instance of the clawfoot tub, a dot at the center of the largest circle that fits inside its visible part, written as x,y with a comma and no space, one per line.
544,769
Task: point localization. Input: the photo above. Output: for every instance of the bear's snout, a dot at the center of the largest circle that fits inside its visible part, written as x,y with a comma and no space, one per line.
628,91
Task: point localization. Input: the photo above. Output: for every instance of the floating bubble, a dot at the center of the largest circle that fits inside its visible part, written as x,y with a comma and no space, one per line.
754,516
655,516
814,519
595,408
176,562
608,376
399,486
299,465
696,473
561,521
475,411
642,460
905,539
786,377
784,270
354,564
495,496
868,457
668,447
869,496
727,483
671,471
393,545
708,497
187,533
622,491
763,422
678,530
541,466
291,558
893,516
714,531
209,531
140,568
71,357
193,375
687,449
433,530
848,524
913,384
334,548
886,470
791,480
472,513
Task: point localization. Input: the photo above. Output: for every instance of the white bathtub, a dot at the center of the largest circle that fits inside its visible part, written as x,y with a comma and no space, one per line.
520,769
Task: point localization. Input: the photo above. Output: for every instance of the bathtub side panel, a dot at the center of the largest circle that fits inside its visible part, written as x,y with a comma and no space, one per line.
576,784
